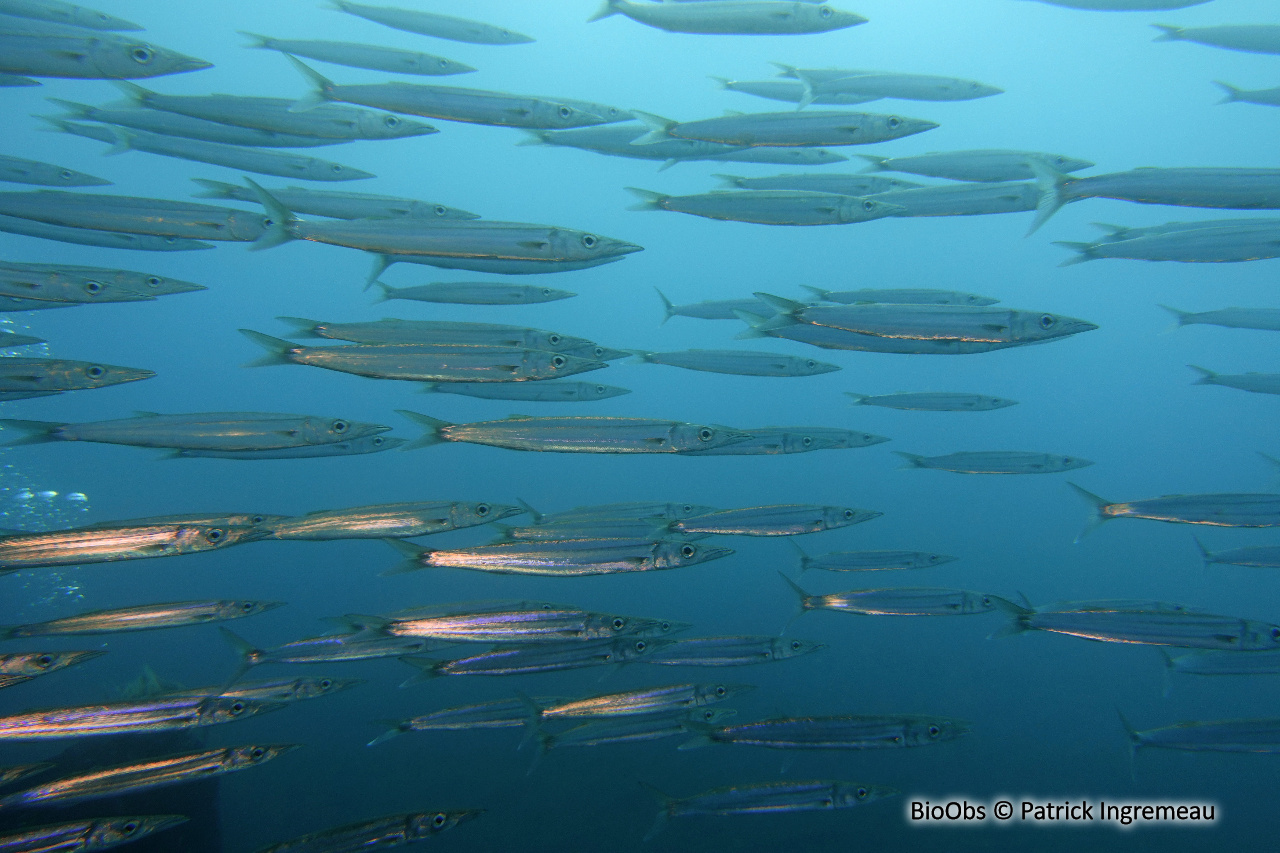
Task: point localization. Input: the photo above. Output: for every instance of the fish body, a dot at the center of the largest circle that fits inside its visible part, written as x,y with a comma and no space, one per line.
70,14
780,520
1210,243
91,57
821,182
1216,510
174,124
852,731
1258,383
149,284
734,17
942,401
668,699
1145,625
873,561
399,520
377,834
373,57
770,441
1265,319
616,139
19,171
103,833
541,392
997,462
793,92
970,199
570,558
56,374
770,207
901,296
785,129
20,667
392,331
431,24
530,659
1257,556
90,237
549,624
158,217
142,618
338,204
110,544
776,798
475,293
355,447
986,165
139,717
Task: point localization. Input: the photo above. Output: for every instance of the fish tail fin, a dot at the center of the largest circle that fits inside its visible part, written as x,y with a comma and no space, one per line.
380,265
667,307
913,460
428,669
659,128
664,813
1017,612
858,399
74,109
648,200
532,720
431,429
723,81
1204,552
137,95
803,597
533,137
281,218
412,554
778,303
667,164
1117,231
255,40
1169,665
701,738
757,326
533,513
1207,377
730,181
1083,252
321,86
1168,33
276,348
1097,505
214,189
121,140
609,9
395,728
785,70
387,291
816,291
302,327
1135,741
808,95
32,432
1180,316
874,163
1266,456
242,647
804,557
1230,93
1050,183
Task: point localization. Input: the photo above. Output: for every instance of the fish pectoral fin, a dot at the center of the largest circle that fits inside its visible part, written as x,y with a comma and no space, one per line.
517,111
995,327
1229,639
519,417
78,55
533,244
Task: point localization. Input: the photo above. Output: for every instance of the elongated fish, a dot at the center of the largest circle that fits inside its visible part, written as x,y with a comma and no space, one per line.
1217,510
122,779
1211,243
853,731
392,331
102,833
373,57
1250,38
150,284
820,182
143,617
398,520
474,293
355,447
1258,383
1259,736
425,362
577,434
784,129
218,153
92,57
338,204
1124,5
637,510
110,544
57,374
19,667
899,601
615,140
215,431
1123,622
60,12
1264,97
870,561
925,401
779,520
734,17
986,165
771,441
515,625
552,391
910,87
668,699
969,199
564,558
89,237
792,92
1266,319
431,24
739,362
159,217
608,528
730,651
598,732
530,659
70,287
19,171
136,717
384,832
333,648
1257,556
174,124
996,462
497,714
770,207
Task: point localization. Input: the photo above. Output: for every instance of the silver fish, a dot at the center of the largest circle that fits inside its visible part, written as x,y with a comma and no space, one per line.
93,57
1258,736
144,617
333,648
1258,383
977,165
821,182
101,833
89,237
136,717
739,362
1258,556
784,129
901,296
668,699
517,625
734,17
19,667
771,207
1225,663
717,309
398,520
615,140
431,24
355,447
1234,94
563,558
1209,244
374,57
474,293
158,217
779,520
924,401
392,331
632,729
1267,319
996,462
731,651
911,87
378,833
81,546
60,12
529,659
890,731
498,714
1217,510
638,510
19,171
56,374
792,92
899,601
973,199
338,204
146,283
871,561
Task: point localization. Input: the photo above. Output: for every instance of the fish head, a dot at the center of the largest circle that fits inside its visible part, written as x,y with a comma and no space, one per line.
926,560
980,602
813,367
571,245
846,794
1260,636
375,125
158,285
552,115
601,392
824,17
550,365
115,831
695,437
463,514
248,756
1063,163
71,178
101,375
814,156
310,688
784,647
1032,326
852,438
969,89
994,403
324,170
369,444
920,731
105,291
595,351
887,127
191,538
125,59
845,516
325,430
867,209
225,709
707,694
634,648
42,662
425,825
240,609
1067,463
674,553
634,626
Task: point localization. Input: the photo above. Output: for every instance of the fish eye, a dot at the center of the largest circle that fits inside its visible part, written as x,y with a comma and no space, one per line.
546,291
708,715
666,626
442,62
641,645
806,441
688,551
335,168
391,121
1047,321
824,12
599,389
339,426
705,434
482,509
247,607
377,441
687,508
986,600
44,660
565,112
95,372
65,173
619,623
267,222
257,519
141,55
554,340
257,752
215,535
93,287
868,205
1275,633
720,691
934,731
558,361
153,280
441,210
848,513
326,683
894,121
589,241
861,793
129,828
237,708
811,363
439,820
795,645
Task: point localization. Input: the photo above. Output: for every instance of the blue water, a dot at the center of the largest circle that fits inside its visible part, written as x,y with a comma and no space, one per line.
1042,707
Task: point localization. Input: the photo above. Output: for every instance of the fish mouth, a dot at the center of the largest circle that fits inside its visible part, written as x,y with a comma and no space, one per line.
159,823
866,515
607,354
190,63
673,627
714,553
508,511
90,181
264,606
920,125
357,175
420,129
469,814
868,440
620,248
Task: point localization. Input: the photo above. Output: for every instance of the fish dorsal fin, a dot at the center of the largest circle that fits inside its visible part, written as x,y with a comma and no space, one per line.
520,417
